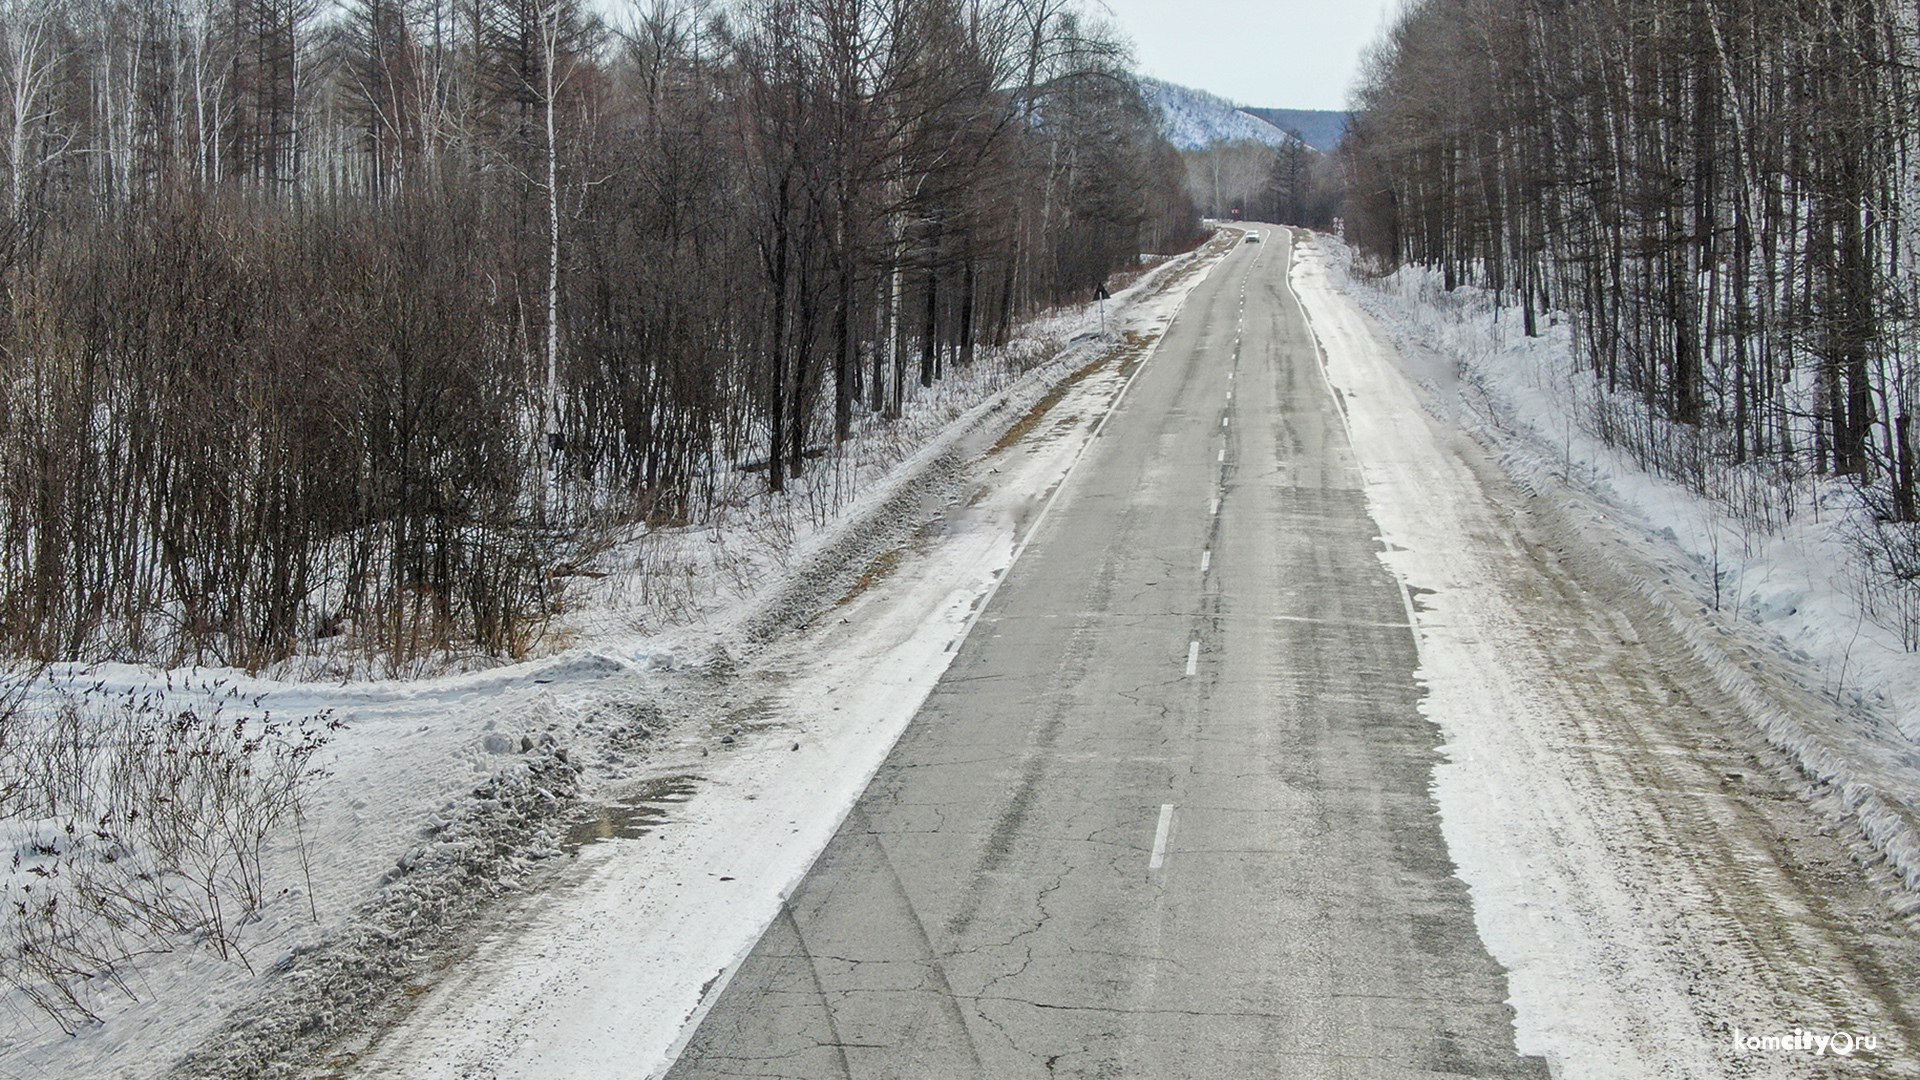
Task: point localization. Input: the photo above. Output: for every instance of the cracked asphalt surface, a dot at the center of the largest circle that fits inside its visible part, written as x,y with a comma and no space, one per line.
992,907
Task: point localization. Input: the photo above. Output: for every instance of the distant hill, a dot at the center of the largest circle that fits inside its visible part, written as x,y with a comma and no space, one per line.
1321,129
1194,119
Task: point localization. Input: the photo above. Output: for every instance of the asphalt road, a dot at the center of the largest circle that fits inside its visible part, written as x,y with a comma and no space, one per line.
1167,814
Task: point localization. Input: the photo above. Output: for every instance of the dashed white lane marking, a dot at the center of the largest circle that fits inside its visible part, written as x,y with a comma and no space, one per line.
1214,510
1223,421
1223,455
1193,657
1159,855
1206,560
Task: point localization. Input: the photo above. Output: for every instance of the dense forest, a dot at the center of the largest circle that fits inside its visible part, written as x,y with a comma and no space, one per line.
1718,192
322,319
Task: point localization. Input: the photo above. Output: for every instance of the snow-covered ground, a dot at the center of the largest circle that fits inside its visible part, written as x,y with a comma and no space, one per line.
1797,582
442,794
600,979
1673,834
1671,828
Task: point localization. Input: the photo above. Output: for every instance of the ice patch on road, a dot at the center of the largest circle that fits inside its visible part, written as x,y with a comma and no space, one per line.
1416,490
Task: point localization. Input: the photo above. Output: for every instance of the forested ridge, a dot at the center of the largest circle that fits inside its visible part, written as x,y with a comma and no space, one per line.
323,319
1719,193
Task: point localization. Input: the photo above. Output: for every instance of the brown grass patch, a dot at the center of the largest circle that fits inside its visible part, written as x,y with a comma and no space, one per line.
1134,352
1026,424
884,564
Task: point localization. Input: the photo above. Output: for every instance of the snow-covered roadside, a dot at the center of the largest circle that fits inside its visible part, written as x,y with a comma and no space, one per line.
1623,864
442,792
605,978
1796,583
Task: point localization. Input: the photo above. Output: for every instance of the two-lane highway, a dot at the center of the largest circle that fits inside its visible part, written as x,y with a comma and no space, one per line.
1167,814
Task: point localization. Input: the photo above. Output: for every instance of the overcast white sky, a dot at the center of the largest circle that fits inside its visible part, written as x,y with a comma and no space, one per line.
1281,54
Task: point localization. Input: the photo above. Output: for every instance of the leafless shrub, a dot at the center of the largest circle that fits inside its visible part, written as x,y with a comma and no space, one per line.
138,827
1888,582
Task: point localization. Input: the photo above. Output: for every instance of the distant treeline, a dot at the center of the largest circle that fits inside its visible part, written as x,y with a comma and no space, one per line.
326,319
1292,184
1720,192
1322,129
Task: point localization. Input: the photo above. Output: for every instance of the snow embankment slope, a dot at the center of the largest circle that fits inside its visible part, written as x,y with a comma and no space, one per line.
1644,850
1792,586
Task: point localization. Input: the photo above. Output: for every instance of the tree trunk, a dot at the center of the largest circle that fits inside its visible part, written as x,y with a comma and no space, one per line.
930,326
777,353
968,283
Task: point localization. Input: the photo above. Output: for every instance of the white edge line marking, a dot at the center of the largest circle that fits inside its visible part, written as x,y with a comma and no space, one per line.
1193,657
1160,837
